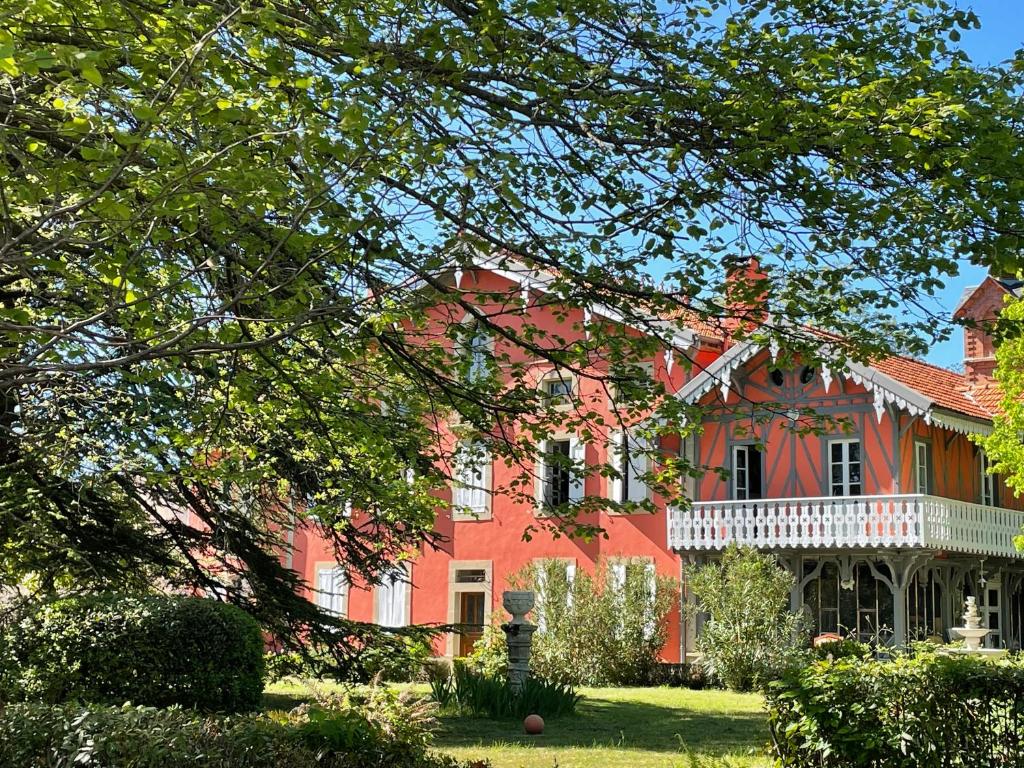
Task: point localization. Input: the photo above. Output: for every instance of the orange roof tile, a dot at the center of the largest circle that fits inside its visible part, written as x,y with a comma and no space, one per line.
948,389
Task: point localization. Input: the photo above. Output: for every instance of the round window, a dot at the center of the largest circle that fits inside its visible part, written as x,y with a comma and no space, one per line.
806,375
776,377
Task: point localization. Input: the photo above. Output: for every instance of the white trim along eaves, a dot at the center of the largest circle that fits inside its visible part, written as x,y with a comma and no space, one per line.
886,390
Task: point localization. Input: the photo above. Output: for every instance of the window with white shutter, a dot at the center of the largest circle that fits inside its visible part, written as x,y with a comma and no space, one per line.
628,455
332,590
471,484
652,587
392,598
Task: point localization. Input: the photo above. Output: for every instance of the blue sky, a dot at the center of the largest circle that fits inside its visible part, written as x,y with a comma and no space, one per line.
1001,33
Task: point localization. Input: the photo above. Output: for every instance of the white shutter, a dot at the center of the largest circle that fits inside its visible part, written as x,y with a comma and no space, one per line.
332,590
570,580
615,461
638,465
577,453
540,472
618,575
391,598
542,584
652,587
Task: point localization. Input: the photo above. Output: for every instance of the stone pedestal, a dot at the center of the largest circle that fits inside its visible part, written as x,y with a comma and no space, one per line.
518,636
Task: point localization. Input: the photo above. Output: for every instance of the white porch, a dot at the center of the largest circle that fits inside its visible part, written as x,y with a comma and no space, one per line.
898,521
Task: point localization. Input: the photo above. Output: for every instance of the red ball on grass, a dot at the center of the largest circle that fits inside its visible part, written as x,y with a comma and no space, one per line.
533,724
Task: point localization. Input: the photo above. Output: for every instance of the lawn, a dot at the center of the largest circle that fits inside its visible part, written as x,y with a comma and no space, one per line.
634,727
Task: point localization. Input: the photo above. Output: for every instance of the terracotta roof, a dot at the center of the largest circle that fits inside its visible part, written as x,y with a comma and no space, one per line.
948,389
708,328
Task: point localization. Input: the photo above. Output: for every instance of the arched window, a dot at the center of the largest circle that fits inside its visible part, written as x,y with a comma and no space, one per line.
477,354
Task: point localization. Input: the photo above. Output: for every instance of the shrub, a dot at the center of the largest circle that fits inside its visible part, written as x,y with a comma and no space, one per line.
928,711
397,659
842,649
750,636
153,650
490,654
379,733
594,633
471,692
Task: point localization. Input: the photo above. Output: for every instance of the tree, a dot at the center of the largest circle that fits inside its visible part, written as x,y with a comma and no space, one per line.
226,228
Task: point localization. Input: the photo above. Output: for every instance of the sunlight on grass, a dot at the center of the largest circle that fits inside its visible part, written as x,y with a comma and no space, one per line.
634,727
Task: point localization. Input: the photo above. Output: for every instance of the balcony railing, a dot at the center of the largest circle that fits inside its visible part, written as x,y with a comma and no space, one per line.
903,520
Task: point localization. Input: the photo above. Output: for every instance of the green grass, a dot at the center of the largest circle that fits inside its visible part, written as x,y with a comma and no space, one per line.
631,727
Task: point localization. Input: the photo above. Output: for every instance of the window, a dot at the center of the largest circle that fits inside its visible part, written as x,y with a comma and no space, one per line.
332,590
844,468
471,481
628,455
777,377
470,576
746,472
989,482
392,598
477,351
558,390
806,375
557,482
922,467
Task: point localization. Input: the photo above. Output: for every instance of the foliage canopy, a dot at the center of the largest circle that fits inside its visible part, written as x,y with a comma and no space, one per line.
224,227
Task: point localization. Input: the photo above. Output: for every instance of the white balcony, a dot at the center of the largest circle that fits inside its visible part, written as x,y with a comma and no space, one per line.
904,520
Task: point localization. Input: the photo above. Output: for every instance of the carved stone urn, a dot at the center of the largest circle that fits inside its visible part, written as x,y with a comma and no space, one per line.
518,636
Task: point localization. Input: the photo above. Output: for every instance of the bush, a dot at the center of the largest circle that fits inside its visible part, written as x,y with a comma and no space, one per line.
686,675
928,711
593,633
842,649
490,654
750,636
394,658
153,650
468,691
382,732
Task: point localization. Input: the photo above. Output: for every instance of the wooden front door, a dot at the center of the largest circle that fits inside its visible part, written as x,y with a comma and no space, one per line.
471,616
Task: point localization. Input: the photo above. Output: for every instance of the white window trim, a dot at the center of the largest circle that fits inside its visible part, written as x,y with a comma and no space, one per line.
568,402
476,349
845,463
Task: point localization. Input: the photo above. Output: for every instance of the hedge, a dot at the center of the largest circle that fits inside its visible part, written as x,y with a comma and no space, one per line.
73,736
931,711
152,650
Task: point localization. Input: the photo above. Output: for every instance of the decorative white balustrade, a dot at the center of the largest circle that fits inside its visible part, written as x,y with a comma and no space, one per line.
902,520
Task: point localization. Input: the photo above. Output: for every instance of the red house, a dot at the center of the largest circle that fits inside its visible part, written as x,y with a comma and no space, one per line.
886,524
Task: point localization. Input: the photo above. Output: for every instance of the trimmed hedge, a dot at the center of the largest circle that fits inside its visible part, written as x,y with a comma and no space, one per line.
152,650
926,712
340,736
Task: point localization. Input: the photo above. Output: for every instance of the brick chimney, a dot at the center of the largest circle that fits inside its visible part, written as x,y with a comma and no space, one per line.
746,294
981,305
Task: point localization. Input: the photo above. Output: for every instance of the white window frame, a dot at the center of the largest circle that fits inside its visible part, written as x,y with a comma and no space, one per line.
740,479
392,597
332,588
472,481
922,467
628,456
989,482
845,463
577,456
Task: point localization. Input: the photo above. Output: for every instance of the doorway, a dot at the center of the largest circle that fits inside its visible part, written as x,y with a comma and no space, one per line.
471,617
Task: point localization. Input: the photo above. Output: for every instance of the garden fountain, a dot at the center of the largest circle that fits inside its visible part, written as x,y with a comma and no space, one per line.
973,633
